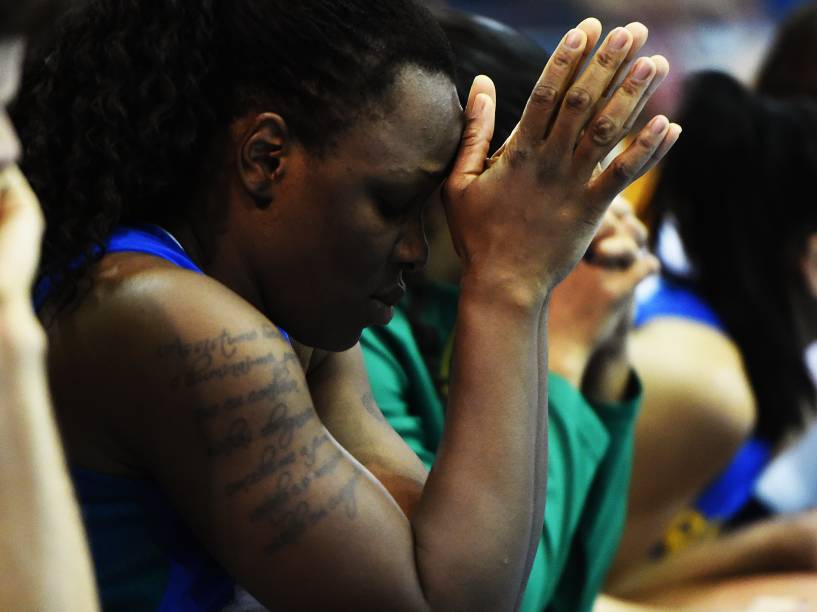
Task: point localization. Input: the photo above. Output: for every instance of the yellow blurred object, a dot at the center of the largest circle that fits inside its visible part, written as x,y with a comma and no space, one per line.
640,193
688,528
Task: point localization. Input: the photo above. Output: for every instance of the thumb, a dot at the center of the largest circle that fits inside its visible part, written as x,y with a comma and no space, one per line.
641,269
476,136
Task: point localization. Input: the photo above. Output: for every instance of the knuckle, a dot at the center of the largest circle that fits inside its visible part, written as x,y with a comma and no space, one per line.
606,60
471,136
578,99
544,96
562,59
645,142
517,156
622,170
604,131
630,88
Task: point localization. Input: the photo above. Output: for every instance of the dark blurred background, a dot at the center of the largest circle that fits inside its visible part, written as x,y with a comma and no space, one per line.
731,35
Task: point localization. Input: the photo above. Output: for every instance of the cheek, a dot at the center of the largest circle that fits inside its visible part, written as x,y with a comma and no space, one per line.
362,242
9,144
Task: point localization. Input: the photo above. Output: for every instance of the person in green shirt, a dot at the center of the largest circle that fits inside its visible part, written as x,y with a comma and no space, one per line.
593,393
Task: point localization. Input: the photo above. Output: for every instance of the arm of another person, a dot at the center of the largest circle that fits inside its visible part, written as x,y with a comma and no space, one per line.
698,409
398,387
44,560
602,292
784,544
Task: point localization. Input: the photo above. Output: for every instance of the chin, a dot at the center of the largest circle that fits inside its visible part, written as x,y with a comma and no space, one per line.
335,339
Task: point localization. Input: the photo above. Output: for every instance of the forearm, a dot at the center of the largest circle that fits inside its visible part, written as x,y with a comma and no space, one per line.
489,468
45,561
778,545
609,368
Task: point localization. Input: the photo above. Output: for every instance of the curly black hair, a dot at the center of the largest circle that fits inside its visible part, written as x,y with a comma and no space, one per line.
25,16
120,110
738,184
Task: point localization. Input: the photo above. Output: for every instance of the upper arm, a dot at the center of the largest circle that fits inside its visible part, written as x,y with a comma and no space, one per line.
228,426
698,406
698,409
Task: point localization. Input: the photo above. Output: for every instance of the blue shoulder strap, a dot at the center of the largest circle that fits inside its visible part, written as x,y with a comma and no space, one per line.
147,239
734,486
151,240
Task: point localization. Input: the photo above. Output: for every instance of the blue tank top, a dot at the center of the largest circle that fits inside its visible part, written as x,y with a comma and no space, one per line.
733,487
145,556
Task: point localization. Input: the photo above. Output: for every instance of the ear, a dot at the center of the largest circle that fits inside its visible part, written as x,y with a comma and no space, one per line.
808,265
263,156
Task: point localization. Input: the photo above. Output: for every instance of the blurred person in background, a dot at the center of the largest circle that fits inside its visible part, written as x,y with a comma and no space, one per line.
234,191
594,396
44,560
721,338
788,72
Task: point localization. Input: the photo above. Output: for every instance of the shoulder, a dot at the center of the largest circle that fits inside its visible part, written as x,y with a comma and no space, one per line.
696,368
144,330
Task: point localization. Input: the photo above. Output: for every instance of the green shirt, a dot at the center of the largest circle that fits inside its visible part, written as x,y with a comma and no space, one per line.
589,457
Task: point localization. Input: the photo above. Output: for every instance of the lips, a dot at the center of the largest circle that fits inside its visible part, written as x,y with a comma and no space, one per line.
392,295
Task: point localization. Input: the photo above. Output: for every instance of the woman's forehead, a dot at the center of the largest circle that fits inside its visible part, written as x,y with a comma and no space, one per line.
419,132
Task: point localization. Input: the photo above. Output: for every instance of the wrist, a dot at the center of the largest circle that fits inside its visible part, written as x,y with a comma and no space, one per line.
503,290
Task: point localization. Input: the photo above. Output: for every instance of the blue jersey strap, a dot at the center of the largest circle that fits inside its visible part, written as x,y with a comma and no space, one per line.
733,488
147,239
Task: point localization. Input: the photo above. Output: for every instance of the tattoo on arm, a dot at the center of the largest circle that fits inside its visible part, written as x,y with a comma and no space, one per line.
233,428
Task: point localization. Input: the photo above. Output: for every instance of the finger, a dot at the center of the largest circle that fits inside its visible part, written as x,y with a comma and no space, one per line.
617,251
550,88
476,136
628,165
642,268
592,27
636,230
481,84
640,35
621,208
581,99
673,134
607,128
661,72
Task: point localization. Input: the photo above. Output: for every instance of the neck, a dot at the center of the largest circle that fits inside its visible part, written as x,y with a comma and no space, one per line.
217,255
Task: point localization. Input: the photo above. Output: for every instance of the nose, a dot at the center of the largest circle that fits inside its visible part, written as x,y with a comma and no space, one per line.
412,247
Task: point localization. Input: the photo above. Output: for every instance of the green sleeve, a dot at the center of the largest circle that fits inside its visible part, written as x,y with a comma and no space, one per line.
599,530
402,386
577,443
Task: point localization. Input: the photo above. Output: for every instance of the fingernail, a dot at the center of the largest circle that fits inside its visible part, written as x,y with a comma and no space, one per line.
619,39
574,39
659,124
643,69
